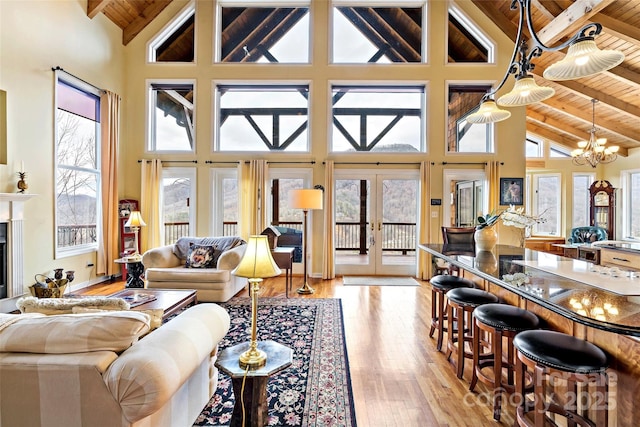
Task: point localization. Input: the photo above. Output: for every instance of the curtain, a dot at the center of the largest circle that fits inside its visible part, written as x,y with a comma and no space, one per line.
150,205
492,172
328,250
108,249
253,199
424,220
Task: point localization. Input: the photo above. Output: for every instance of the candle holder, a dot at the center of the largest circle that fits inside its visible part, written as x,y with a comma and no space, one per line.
22,184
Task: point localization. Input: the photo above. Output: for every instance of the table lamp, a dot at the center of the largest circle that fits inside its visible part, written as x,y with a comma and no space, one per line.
305,199
256,264
135,222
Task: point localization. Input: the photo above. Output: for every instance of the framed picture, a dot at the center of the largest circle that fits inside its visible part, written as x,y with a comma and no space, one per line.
511,190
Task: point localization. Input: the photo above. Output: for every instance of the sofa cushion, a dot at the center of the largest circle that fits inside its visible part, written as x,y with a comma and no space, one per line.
174,274
201,256
65,305
155,314
72,333
181,248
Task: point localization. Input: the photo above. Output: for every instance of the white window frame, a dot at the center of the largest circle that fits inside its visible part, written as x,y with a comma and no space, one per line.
216,178
150,117
68,251
591,177
625,184
534,197
539,142
188,173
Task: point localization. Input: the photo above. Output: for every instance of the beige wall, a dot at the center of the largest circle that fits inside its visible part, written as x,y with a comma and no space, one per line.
34,37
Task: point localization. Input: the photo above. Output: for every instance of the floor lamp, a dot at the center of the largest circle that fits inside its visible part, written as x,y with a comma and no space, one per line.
305,199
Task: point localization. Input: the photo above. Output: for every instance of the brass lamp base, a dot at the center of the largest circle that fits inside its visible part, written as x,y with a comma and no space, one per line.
253,359
305,289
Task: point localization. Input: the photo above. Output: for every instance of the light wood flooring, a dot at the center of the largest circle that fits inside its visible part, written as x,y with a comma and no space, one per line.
398,377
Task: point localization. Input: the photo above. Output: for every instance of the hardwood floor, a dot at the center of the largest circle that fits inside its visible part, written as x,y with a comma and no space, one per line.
398,377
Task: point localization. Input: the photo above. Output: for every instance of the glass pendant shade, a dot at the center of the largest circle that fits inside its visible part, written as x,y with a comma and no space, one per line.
525,91
583,59
488,112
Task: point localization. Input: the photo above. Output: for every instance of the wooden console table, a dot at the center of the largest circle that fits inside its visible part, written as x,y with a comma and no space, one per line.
283,256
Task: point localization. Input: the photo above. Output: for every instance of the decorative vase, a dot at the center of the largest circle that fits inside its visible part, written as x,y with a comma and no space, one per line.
58,273
485,238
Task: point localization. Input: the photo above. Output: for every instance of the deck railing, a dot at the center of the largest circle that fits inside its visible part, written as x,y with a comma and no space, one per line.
396,236
76,235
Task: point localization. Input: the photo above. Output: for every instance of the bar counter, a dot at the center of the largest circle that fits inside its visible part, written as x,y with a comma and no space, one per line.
596,312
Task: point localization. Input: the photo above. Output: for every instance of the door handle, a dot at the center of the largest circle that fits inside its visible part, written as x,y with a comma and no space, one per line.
379,225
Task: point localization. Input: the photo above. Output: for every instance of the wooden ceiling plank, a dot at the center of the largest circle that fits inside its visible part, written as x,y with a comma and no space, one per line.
143,20
551,135
543,10
503,22
94,7
557,124
571,19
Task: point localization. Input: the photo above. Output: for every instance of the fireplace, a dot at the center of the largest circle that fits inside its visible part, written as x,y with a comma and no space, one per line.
12,244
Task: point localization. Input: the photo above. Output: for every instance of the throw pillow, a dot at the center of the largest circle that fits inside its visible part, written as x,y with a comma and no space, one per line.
65,305
155,314
201,256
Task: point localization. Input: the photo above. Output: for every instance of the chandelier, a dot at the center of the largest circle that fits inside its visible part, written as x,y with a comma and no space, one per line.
593,151
583,59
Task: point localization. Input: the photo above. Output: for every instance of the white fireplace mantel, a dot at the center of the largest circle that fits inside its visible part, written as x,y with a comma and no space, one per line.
12,212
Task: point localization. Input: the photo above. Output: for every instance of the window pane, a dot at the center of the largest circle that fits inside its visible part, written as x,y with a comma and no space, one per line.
230,210
263,118
462,136
76,140
362,34
76,209
547,203
176,205
286,216
557,151
533,147
172,127
394,125
466,43
265,34
581,185
634,205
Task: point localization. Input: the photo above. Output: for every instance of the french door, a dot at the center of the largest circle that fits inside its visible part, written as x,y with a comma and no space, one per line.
376,222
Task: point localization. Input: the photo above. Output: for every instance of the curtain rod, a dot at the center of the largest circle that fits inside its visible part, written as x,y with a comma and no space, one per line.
58,68
313,162
464,163
169,161
374,163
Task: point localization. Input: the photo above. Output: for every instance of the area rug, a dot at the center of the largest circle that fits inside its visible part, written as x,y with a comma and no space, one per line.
378,281
315,391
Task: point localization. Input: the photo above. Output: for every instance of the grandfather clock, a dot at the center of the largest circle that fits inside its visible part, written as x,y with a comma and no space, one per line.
602,198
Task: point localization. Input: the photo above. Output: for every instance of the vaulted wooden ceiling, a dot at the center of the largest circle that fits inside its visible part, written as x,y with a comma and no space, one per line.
566,117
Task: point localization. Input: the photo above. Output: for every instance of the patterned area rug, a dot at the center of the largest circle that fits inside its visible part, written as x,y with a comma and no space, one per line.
315,390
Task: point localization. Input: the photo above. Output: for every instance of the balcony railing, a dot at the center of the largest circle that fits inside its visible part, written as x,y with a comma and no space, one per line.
76,235
396,236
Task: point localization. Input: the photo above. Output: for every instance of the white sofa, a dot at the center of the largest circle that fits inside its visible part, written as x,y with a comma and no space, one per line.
165,267
164,379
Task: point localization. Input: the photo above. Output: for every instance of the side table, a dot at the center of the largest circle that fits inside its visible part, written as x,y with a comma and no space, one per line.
135,270
283,256
255,389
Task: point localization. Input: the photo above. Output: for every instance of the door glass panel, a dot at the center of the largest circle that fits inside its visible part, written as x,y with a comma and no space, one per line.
176,204
352,221
398,222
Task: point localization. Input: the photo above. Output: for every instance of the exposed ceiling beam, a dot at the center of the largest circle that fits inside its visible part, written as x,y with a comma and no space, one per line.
143,20
630,135
553,136
502,21
561,126
571,19
94,7
543,10
618,29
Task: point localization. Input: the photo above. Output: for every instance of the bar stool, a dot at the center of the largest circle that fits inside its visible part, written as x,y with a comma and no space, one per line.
440,285
498,321
549,354
462,302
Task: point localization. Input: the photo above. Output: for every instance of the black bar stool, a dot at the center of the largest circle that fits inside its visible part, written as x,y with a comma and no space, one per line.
462,302
440,285
553,355
497,321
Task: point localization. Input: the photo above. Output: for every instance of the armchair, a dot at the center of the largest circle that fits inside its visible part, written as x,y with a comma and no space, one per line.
587,234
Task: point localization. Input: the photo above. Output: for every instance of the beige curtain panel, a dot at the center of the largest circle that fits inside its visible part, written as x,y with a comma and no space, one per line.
328,250
424,220
151,236
108,249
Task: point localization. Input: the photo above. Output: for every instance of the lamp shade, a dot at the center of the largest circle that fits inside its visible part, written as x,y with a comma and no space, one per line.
488,113
257,261
306,199
135,220
583,59
525,91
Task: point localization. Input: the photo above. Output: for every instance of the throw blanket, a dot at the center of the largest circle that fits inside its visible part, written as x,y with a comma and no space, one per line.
181,248
9,319
60,305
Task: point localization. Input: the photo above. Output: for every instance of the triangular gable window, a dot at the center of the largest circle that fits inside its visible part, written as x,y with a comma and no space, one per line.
466,42
176,41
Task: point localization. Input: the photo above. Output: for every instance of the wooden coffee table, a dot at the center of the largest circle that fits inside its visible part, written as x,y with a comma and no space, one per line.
170,300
